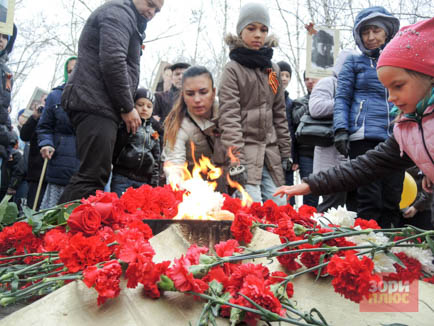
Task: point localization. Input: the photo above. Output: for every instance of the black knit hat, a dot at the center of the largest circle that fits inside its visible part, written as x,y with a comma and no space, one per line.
284,66
179,65
144,93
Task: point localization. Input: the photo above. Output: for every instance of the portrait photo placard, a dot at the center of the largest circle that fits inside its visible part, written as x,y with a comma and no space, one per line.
7,10
321,52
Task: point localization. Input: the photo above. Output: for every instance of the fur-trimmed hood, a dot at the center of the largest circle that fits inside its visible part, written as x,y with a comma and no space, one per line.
234,41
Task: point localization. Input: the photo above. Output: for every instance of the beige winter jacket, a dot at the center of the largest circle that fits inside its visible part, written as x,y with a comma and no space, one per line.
252,119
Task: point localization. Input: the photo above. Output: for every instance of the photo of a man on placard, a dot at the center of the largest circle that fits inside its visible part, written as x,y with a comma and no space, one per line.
322,50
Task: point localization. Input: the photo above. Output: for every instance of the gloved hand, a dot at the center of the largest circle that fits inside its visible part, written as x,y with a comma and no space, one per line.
342,142
238,173
287,164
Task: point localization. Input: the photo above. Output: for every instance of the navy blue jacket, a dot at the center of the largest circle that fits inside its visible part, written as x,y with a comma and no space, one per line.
361,105
54,129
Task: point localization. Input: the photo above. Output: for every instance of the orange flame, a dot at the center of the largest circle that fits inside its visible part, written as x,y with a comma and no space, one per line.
233,158
246,200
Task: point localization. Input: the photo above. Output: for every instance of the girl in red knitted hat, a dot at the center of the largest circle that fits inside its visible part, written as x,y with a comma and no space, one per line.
406,69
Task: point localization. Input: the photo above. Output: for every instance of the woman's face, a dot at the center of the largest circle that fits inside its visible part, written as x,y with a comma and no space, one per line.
199,95
373,37
253,35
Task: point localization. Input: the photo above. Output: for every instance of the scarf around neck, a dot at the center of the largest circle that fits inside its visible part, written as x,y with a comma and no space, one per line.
257,59
252,58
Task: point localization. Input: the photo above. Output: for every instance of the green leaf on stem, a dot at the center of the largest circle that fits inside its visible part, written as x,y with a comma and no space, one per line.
237,315
166,284
395,259
430,242
8,211
216,287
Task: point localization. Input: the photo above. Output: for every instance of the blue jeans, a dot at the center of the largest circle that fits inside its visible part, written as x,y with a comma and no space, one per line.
264,191
121,183
306,169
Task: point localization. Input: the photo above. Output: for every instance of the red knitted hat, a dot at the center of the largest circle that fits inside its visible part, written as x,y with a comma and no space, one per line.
411,48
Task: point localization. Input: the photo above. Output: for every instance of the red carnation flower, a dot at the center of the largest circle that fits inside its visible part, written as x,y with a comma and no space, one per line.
255,289
194,252
105,280
82,252
241,226
306,212
278,277
86,219
285,228
352,276
55,240
184,280
227,248
413,270
289,261
365,224
150,280
231,204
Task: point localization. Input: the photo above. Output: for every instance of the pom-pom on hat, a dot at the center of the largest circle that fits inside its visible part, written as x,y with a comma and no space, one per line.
144,93
411,48
252,12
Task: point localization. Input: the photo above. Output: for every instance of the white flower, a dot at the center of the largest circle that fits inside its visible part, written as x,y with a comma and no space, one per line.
382,263
337,216
424,256
368,239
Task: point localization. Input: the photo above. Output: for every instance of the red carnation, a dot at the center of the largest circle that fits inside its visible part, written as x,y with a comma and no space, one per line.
55,240
365,224
352,276
227,248
278,277
82,252
306,212
241,226
231,204
289,261
285,228
413,270
184,280
194,252
86,219
105,280
150,280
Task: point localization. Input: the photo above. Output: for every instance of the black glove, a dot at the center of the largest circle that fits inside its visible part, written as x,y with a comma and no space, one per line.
238,173
287,164
342,142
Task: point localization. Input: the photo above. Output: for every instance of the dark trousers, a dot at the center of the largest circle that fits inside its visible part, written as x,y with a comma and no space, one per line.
31,193
306,169
380,199
96,138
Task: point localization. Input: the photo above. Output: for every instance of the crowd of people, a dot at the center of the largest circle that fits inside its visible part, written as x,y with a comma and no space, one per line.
99,130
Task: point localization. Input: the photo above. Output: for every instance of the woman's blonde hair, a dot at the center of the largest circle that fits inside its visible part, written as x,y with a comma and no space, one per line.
176,115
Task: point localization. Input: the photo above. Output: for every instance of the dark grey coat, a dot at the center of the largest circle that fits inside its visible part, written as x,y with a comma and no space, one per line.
107,71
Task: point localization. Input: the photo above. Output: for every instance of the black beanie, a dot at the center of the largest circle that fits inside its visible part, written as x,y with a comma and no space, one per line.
284,66
144,93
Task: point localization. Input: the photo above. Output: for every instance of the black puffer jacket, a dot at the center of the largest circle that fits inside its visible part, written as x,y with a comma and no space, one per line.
138,156
35,160
379,162
299,108
107,71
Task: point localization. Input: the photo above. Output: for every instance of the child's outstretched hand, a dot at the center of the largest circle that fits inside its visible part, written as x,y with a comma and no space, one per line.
290,191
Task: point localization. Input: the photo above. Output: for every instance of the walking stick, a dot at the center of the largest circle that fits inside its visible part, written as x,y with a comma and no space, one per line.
41,180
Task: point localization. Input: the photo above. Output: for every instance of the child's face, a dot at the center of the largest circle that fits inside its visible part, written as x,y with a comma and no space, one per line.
254,35
3,41
144,107
405,90
285,76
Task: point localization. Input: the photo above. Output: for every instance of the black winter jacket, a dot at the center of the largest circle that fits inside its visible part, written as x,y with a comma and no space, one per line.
138,156
376,163
12,171
106,75
35,160
6,81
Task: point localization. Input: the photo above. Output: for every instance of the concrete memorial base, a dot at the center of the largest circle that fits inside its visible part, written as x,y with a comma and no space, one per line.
75,304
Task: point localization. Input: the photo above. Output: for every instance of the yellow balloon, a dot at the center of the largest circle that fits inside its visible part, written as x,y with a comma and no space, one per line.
409,191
